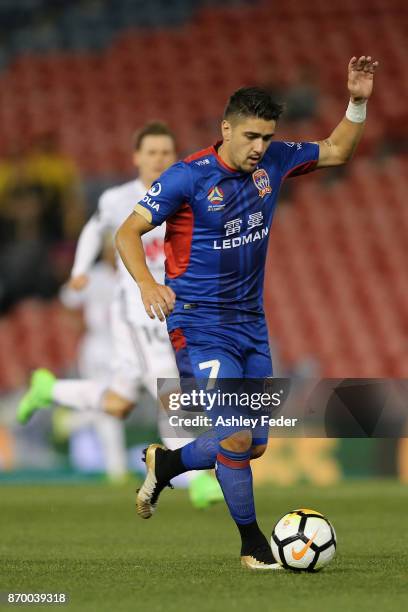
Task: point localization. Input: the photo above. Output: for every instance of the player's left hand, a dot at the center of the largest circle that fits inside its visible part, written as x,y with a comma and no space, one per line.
361,77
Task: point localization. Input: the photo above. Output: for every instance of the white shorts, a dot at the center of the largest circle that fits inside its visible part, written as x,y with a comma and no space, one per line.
142,352
94,355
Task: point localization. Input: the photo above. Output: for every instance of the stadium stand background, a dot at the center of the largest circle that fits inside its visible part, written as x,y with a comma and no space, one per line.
89,73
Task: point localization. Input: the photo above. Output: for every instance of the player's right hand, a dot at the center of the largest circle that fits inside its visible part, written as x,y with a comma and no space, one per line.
158,300
77,283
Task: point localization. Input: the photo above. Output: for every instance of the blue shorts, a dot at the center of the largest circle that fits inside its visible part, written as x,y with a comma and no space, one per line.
242,350
228,351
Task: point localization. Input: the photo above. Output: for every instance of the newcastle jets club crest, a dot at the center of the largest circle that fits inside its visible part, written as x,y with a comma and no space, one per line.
261,180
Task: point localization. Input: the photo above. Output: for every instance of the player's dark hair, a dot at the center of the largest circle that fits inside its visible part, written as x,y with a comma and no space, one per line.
154,128
253,102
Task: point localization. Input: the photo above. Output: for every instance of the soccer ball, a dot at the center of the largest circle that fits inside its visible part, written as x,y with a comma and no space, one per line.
303,540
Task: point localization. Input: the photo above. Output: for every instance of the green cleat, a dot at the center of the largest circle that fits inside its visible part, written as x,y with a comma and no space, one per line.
204,490
38,396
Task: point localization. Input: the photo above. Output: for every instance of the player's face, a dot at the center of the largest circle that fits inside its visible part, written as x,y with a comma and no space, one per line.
156,154
246,141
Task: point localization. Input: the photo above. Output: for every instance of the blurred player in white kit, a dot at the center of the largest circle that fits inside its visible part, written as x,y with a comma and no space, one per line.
93,362
141,350
95,301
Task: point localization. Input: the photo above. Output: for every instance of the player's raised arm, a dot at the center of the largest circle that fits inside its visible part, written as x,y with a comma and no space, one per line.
338,148
88,248
90,242
130,246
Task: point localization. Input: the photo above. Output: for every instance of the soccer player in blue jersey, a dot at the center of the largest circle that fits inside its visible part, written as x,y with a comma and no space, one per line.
218,205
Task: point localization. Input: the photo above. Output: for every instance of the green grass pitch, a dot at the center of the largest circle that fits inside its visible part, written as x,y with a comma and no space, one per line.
87,541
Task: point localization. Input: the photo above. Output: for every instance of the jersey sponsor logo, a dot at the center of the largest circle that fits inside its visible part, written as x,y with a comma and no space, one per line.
255,219
261,180
216,197
233,226
203,162
238,241
155,190
152,203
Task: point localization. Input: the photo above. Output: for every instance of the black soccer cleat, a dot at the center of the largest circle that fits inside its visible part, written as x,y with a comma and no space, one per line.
148,494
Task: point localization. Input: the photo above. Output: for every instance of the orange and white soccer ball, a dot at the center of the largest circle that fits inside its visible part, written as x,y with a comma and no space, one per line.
303,540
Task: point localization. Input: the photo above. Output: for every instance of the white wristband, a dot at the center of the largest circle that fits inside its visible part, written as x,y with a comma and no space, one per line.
356,112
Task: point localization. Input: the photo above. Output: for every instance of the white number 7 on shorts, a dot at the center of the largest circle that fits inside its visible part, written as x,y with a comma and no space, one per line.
214,366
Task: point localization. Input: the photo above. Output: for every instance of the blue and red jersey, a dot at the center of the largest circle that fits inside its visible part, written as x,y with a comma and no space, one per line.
218,225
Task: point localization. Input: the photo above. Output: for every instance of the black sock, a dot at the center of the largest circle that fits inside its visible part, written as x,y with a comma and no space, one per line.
251,536
170,465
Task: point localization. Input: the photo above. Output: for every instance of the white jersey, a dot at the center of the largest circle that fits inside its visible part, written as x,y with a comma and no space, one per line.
141,351
95,299
114,206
